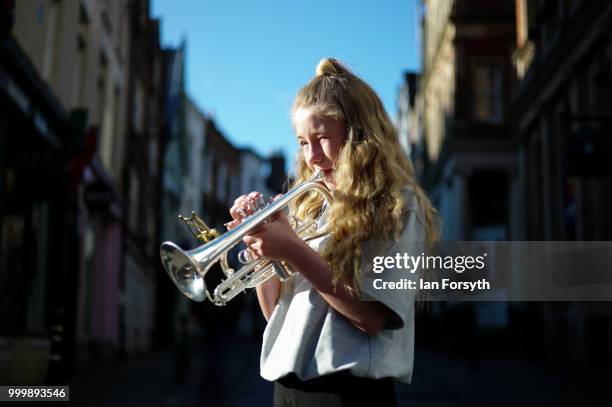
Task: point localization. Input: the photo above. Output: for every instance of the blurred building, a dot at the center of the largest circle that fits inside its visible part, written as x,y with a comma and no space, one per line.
563,114
222,179
175,170
465,91
79,49
192,187
39,141
276,179
100,150
141,182
459,132
196,142
563,118
408,123
510,135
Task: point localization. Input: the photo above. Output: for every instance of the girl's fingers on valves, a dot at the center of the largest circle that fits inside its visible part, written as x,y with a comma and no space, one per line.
238,203
240,209
232,224
243,206
239,199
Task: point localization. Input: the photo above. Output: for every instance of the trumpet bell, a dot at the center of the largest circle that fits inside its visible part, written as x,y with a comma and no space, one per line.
183,271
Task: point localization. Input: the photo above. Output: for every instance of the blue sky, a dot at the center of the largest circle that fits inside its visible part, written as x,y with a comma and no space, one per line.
247,59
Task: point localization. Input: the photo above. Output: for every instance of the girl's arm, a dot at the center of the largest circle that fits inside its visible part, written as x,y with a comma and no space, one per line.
368,316
268,293
276,240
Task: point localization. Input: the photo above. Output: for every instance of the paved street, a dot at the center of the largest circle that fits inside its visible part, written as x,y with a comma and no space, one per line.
150,380
439,380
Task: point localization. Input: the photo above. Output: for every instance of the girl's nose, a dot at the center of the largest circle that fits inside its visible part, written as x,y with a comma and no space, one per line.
316,155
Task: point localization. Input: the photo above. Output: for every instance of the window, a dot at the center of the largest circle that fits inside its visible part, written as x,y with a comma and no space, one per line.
488,93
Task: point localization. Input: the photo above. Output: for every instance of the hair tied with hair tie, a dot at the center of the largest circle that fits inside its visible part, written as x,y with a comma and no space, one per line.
330,66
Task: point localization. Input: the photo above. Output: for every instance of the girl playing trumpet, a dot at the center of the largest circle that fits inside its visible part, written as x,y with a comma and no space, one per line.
323,345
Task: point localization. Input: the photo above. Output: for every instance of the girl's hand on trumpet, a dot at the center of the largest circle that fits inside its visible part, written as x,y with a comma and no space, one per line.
274,239
269,240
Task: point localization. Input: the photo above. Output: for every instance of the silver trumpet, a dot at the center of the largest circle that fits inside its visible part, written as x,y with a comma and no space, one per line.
188,268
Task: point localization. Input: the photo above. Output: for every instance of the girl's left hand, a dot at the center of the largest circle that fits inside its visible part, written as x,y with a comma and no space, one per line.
274,239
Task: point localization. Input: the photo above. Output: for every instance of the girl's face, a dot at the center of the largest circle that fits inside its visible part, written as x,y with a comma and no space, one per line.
320,140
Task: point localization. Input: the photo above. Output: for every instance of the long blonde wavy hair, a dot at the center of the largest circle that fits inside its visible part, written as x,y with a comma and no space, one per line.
370,172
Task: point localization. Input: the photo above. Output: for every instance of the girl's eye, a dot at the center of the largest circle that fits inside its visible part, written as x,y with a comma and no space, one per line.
302,143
